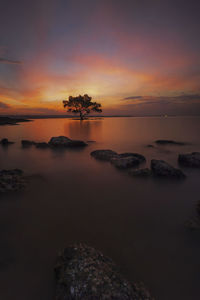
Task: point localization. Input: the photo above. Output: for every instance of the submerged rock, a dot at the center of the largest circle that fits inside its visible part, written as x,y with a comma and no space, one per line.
103,154
169,142
190,160
6,142
12,180
140,172
83,273
63,141
160,168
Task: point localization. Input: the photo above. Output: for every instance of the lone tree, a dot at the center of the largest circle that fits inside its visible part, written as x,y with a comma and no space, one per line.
81,105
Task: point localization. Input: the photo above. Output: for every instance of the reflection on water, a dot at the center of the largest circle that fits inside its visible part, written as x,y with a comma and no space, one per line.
139,223
78,129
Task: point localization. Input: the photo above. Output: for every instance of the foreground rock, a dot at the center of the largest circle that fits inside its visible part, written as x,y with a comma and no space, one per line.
169,142
83,273
12,180
6,142
190,160
127,160
63,141
160,168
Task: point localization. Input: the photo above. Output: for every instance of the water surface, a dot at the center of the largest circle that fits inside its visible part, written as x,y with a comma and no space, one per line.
139,223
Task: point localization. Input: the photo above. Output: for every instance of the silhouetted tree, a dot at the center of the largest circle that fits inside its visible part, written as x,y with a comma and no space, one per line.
81,105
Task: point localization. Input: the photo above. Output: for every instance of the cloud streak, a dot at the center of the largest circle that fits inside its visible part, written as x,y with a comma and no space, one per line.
184,98
10,61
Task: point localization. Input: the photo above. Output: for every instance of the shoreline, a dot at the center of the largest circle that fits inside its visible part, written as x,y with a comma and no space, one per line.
12,120
15,119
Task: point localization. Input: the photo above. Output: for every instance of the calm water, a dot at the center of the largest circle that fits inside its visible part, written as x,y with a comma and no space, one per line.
139,223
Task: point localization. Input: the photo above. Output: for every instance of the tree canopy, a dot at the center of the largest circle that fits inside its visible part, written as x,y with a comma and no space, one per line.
81,105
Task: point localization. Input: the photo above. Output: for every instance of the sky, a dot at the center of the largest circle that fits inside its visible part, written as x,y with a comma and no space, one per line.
135,57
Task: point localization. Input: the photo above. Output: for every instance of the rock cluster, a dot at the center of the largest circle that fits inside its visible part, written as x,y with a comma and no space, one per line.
55,142
83,273
12,180
159,168
121,161
190,159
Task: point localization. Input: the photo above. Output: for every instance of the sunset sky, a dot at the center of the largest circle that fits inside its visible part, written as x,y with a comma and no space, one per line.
136,57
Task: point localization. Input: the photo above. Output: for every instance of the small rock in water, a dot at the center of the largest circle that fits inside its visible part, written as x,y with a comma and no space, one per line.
63,141
169,142
160,168
140,172
27,143
42,145
83,273
190,160
12,180
106,155
6,142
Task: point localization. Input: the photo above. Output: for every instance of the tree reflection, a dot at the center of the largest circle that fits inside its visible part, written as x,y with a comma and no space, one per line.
87,130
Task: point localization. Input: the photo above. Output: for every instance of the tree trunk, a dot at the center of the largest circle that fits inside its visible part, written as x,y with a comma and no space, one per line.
81,116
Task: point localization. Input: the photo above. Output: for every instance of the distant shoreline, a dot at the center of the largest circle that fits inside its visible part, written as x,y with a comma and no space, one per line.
15,119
